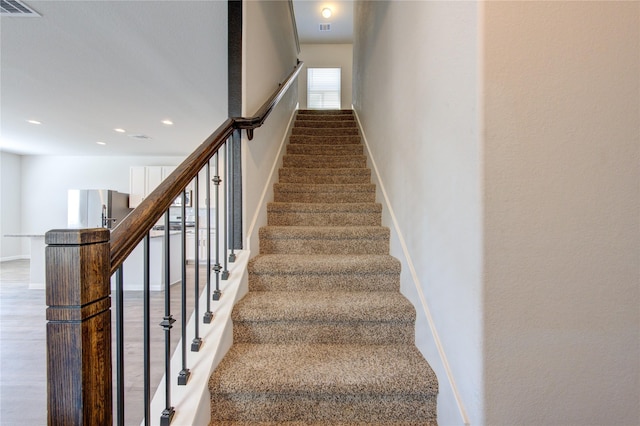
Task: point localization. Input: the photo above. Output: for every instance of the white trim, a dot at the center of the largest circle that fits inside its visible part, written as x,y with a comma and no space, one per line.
193,402
416,280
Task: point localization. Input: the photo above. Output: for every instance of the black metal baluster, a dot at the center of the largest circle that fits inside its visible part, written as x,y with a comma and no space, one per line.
231,203
146,335
183,376
217,268
167,324
208,316
225,272
197,341
119,347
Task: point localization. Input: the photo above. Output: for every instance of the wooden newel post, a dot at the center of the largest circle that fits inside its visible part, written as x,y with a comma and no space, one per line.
78,327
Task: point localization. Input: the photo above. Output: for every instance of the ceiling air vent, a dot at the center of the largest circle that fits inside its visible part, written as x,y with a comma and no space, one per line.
140,136
17,8
325,27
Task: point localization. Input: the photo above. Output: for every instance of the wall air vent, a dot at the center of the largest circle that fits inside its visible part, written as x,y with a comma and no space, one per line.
17,9
325,27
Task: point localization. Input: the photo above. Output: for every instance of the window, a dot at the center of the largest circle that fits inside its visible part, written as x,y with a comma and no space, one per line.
323,88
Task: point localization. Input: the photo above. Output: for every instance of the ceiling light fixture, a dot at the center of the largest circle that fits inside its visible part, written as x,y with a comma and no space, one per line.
326,12
101,143
167,122
119,130
34,122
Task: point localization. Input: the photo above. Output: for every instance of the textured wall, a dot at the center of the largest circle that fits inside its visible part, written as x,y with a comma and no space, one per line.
269,50
270,55
506,135
562,229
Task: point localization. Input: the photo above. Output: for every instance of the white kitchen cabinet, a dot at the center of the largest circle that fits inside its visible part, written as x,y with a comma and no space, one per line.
202,246
137,186
153,177
144,179
190,242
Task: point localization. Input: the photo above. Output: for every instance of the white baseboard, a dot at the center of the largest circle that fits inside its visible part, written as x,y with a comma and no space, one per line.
414,277
193,402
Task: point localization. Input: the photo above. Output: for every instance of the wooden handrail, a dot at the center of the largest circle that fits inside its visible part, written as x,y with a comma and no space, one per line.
258,119
128,234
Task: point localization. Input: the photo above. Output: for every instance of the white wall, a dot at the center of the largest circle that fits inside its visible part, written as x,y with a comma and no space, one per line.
415,90
269,50
562,213
327,56
506,135
270,56
46,179
10,200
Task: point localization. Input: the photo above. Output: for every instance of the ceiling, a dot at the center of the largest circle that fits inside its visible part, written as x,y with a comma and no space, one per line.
85,68
309,17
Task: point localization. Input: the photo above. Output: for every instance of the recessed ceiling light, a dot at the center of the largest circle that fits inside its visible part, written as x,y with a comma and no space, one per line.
167,122
119,130
326,12
34,122
101,143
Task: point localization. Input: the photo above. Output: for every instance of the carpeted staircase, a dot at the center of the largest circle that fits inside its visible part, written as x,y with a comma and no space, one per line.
324,335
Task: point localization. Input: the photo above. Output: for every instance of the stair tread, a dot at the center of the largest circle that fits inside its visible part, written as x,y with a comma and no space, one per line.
325,131
325,149
321,158
325,232
352,139
338,369
323,187
324,423
323,264
326,171
324,207
324,306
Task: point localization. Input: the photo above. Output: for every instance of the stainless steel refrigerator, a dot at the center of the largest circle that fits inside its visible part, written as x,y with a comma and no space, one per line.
96,208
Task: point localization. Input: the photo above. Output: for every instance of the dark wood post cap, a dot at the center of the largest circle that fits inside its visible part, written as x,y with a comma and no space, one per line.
77,236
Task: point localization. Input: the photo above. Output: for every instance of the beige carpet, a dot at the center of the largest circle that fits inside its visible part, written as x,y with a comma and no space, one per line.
324,335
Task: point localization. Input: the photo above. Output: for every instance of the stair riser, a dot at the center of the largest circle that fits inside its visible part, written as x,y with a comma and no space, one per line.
325,161
339,124
324,246
323,219
324,282
300,149
339,180
326,197
366,333
328,117
324,140
324,408
324,132
324,175
324,112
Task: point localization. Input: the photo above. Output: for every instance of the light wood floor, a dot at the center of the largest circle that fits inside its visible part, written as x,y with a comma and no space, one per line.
23,351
